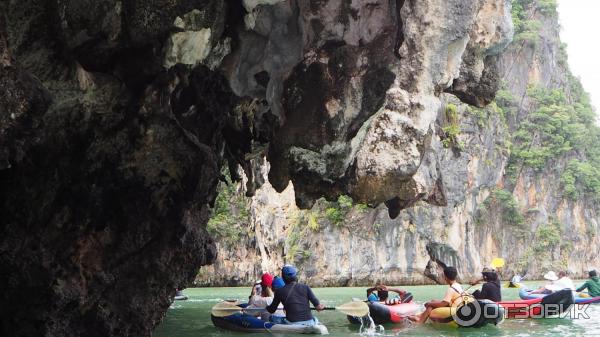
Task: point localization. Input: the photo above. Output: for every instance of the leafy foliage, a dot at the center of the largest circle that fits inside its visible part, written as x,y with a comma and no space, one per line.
230,215
586,174
547,237
526,28
452,128
505,203
545,242
560,126
337,211
547,7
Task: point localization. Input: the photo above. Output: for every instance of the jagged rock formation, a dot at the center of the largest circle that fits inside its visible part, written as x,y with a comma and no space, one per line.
116,118
487,201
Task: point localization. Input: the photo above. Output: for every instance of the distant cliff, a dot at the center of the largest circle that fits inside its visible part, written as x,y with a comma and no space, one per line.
518,179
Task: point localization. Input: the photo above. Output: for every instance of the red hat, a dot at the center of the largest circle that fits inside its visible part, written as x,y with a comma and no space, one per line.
266,280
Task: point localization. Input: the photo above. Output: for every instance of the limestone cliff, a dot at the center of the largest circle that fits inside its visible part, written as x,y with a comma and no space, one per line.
116,118
512,180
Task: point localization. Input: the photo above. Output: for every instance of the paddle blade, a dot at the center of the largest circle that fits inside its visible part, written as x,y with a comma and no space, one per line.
223,309
497,263
357,309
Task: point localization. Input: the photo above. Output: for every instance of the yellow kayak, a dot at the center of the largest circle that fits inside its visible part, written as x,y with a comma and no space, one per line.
512,285
469,315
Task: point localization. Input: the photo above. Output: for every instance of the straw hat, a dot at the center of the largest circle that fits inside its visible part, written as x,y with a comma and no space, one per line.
550,276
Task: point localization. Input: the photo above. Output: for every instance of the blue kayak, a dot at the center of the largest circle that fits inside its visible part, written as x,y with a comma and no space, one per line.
248,323
525,294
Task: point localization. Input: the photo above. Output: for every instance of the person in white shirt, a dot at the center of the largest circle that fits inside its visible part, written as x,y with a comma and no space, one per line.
262,296
563,282
452,297
555,284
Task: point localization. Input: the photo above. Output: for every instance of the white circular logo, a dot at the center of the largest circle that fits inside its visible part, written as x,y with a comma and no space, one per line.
468,314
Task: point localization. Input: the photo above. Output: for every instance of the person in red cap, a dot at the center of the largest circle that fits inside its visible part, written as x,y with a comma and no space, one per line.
262,295
266,280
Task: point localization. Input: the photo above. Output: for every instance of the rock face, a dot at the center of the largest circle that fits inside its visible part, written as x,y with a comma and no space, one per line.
116,118
469,201
361,104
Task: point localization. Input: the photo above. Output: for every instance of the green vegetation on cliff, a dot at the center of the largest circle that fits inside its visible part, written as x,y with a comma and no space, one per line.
452,127
526,27
560,128
501,202
230,219
547,248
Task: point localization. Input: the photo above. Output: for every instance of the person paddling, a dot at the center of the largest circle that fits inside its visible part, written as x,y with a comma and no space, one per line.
295,298
592,285
549,287
451,298
490,290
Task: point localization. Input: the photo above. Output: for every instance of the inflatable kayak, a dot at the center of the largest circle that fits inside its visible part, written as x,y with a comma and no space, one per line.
512,285
247,323
382,313
470,315
536,307
525,294
179,296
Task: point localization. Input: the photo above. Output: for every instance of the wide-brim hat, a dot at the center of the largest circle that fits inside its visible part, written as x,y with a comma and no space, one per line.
550,276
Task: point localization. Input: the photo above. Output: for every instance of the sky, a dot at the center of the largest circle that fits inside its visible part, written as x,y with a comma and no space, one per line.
580,22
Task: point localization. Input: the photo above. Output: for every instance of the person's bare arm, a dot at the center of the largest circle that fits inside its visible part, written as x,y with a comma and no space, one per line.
475,282
397,290
436,304
371,290
538,290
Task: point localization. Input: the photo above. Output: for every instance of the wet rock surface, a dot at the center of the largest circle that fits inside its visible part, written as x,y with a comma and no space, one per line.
116,118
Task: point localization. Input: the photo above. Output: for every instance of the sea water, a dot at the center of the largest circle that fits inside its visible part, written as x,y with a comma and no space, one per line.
191,318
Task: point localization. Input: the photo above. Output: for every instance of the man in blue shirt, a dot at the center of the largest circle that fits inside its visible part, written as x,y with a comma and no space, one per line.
295,298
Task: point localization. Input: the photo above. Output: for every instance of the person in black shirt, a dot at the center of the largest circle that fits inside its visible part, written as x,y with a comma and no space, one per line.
295,298
491,288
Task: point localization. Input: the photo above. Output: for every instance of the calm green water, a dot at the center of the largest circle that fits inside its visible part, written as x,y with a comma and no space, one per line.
192,317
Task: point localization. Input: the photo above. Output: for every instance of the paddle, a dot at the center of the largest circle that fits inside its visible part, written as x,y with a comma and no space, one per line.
223,309
357,308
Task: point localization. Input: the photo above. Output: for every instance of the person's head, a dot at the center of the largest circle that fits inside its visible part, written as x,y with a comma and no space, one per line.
266,280
278,283
489,275
592,273
562,274
550,276
382,294
265,283
450,274
289,273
